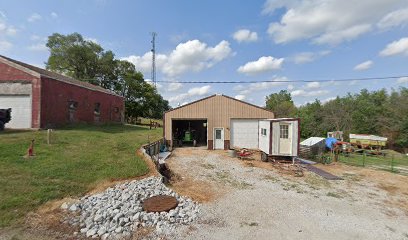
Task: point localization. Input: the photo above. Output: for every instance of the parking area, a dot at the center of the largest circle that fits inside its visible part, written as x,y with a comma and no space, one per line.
255,200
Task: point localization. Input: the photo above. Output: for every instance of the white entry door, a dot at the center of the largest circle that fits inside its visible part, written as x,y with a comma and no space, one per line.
285,139
20,110
218,138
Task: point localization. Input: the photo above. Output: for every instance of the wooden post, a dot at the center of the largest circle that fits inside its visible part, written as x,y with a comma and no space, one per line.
48,136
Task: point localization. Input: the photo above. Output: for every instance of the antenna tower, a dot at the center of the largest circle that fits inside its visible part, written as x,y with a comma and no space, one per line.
154,58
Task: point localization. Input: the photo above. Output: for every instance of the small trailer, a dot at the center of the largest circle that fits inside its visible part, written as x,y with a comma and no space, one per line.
279,138
368,141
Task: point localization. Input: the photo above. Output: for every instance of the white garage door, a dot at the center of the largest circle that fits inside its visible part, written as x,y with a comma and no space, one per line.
21,110
244,133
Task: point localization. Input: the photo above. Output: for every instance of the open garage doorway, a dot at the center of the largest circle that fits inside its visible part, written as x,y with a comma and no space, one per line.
189,132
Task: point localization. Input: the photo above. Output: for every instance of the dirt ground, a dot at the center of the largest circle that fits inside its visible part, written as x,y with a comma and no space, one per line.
256,200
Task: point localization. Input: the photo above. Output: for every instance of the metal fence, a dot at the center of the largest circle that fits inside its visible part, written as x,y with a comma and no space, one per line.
391,162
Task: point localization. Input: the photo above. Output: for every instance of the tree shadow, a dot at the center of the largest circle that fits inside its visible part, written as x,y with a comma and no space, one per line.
105,128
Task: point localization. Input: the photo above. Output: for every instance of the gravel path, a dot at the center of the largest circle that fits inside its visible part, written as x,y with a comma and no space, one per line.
258,203
117,212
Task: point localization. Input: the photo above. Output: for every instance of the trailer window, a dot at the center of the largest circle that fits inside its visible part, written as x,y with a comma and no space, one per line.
284,131
263,131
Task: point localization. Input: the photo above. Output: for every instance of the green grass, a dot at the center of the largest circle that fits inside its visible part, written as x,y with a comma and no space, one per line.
76,161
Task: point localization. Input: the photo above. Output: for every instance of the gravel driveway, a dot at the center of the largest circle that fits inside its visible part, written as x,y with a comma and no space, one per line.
253,200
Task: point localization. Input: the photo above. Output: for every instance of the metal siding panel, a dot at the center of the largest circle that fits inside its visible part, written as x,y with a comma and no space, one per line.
244,133
295,138
275,138
264,140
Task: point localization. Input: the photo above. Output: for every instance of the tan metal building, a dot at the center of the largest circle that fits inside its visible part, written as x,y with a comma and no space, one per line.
217,121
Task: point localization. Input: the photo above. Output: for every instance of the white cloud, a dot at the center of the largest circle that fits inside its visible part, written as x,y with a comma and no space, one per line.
199,90
89,39
195,56
6,31
5,28
263,64
364,66
54,15
394,19
39,47
35,37
245,35
240,97
158,85
306,57
34,17
144,63
11,31
177,38
239,87
260,86
303,93
5,45
402,80
291,87
191,56
327,22
343,35
312,85
192,92
328,99
396,47
174,86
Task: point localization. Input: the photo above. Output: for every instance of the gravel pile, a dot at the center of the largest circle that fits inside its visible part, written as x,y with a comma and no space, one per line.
117,212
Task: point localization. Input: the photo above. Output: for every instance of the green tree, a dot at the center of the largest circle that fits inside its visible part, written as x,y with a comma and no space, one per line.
281,104
84,60
311,119
73,56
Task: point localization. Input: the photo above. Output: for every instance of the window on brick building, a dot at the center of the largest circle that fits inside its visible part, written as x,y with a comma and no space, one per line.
72,105
97,109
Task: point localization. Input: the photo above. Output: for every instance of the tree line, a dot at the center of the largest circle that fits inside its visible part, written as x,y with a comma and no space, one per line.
377,112
86,60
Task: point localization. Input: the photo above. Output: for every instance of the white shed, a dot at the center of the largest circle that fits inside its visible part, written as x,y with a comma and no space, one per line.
279,137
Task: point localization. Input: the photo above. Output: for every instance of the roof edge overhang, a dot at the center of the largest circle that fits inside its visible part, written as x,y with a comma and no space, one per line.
202,99
39,75
19,67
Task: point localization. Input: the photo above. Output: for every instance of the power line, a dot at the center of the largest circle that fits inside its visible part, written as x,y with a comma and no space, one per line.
273,81
290,81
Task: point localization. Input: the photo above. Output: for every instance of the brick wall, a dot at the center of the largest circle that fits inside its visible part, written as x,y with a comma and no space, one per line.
56,96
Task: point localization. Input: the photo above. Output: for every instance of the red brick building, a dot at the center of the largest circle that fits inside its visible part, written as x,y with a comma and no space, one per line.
44,99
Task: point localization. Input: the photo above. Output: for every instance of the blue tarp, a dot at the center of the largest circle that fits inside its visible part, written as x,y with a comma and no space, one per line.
330,142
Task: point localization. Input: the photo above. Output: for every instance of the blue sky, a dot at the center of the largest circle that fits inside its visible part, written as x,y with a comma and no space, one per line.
229,41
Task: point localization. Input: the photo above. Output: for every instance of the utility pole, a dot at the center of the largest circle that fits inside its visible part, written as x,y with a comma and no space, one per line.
154,58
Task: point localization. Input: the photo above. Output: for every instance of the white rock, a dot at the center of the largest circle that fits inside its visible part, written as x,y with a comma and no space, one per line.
90,232
73,208
64,206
